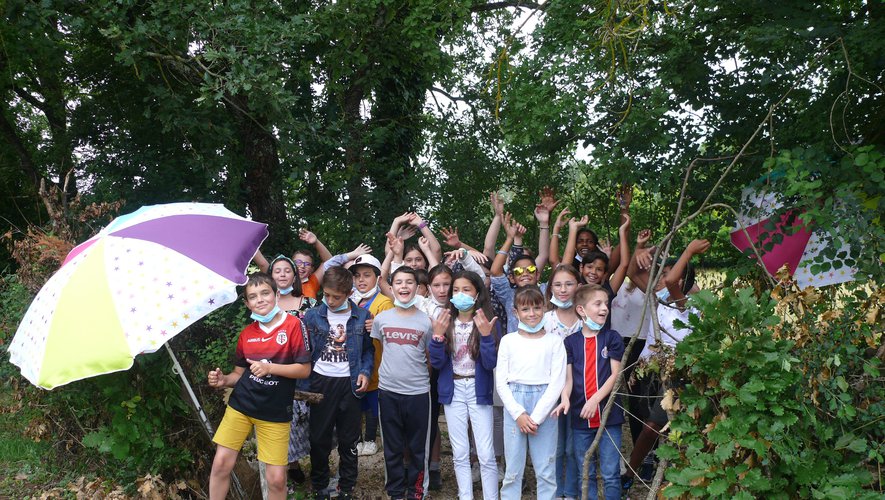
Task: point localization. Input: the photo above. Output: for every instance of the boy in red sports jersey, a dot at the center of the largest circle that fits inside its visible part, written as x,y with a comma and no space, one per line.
274,349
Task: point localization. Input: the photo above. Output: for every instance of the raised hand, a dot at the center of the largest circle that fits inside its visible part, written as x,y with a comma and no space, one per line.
605,247
424,245
497,204
575,224
307,236
479,257
406,232
545,205
361,249
451,237
484,325
561,218
396,244
625,195
697,247
644,257
642,238
441,325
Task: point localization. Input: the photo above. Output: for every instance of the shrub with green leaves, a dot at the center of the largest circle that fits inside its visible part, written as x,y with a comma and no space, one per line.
770,407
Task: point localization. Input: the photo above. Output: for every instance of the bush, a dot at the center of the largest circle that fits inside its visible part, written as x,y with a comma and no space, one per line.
774,385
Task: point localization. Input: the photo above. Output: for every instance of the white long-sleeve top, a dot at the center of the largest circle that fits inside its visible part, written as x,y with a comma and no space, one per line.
530,361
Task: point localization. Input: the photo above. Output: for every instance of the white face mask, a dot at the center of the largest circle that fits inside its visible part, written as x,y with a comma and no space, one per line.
368,293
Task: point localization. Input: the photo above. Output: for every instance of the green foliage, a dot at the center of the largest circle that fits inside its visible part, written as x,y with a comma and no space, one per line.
767,409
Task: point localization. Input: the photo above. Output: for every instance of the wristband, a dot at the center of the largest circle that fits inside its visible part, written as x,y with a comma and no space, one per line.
422,225
539,227
555,235
501,252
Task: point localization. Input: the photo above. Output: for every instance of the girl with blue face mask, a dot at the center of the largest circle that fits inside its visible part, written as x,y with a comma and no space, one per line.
529,376
464,350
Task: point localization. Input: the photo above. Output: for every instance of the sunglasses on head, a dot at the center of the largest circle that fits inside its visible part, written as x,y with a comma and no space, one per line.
519,271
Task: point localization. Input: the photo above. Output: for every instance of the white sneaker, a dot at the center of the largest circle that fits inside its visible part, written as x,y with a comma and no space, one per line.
474,471
359,448
368,448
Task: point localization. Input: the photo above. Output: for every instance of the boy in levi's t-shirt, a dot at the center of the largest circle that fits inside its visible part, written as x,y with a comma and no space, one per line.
275,352
404,387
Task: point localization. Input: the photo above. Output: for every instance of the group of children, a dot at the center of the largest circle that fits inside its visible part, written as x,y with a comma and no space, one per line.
519,369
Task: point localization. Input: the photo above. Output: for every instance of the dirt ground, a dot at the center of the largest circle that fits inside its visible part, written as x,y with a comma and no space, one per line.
370,483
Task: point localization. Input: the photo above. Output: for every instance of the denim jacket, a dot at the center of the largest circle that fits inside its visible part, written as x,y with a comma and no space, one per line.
360,350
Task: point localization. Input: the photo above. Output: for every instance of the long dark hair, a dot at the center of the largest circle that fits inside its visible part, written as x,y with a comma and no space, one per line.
483,302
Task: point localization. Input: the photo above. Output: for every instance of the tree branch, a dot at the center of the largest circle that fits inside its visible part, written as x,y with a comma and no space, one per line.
485,7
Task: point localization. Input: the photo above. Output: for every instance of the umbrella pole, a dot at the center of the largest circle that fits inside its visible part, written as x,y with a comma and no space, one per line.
207,425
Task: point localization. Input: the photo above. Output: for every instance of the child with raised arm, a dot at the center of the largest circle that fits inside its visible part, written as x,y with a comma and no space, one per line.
343,356
404,387
273,350
594,361
464,350
671,291
529,378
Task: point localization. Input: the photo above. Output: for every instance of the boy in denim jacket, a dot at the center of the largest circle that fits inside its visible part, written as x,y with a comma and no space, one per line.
343,357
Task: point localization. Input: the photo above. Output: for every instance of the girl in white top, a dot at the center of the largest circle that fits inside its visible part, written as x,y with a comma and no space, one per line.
561,321
529,377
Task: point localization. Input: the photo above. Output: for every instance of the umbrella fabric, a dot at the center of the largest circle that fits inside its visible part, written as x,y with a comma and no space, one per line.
131,288
798,246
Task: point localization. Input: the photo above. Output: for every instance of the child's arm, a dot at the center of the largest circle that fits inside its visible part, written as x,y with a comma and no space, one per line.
617,278
367,363
554,389
432,242
542,214
501,374
696,247
573,225
393,254
323,252
495,227
637,272
264,368
554,237
426,247
510,228
341,259
261,261
625,197
219,380
564,398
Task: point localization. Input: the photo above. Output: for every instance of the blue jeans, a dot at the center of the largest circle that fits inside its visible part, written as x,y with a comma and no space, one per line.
541,447
567,474
609,459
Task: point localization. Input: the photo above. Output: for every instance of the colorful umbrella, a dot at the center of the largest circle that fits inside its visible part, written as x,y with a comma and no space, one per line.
143,279
792,242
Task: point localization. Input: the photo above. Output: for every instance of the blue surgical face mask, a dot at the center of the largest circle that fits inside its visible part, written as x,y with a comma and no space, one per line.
344,305
531,329
560,304
286,291
592,324
462,301
406,305
265,319
663,294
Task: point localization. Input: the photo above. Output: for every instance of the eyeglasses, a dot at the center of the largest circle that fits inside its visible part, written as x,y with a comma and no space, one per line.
303,263
564,284
519,271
